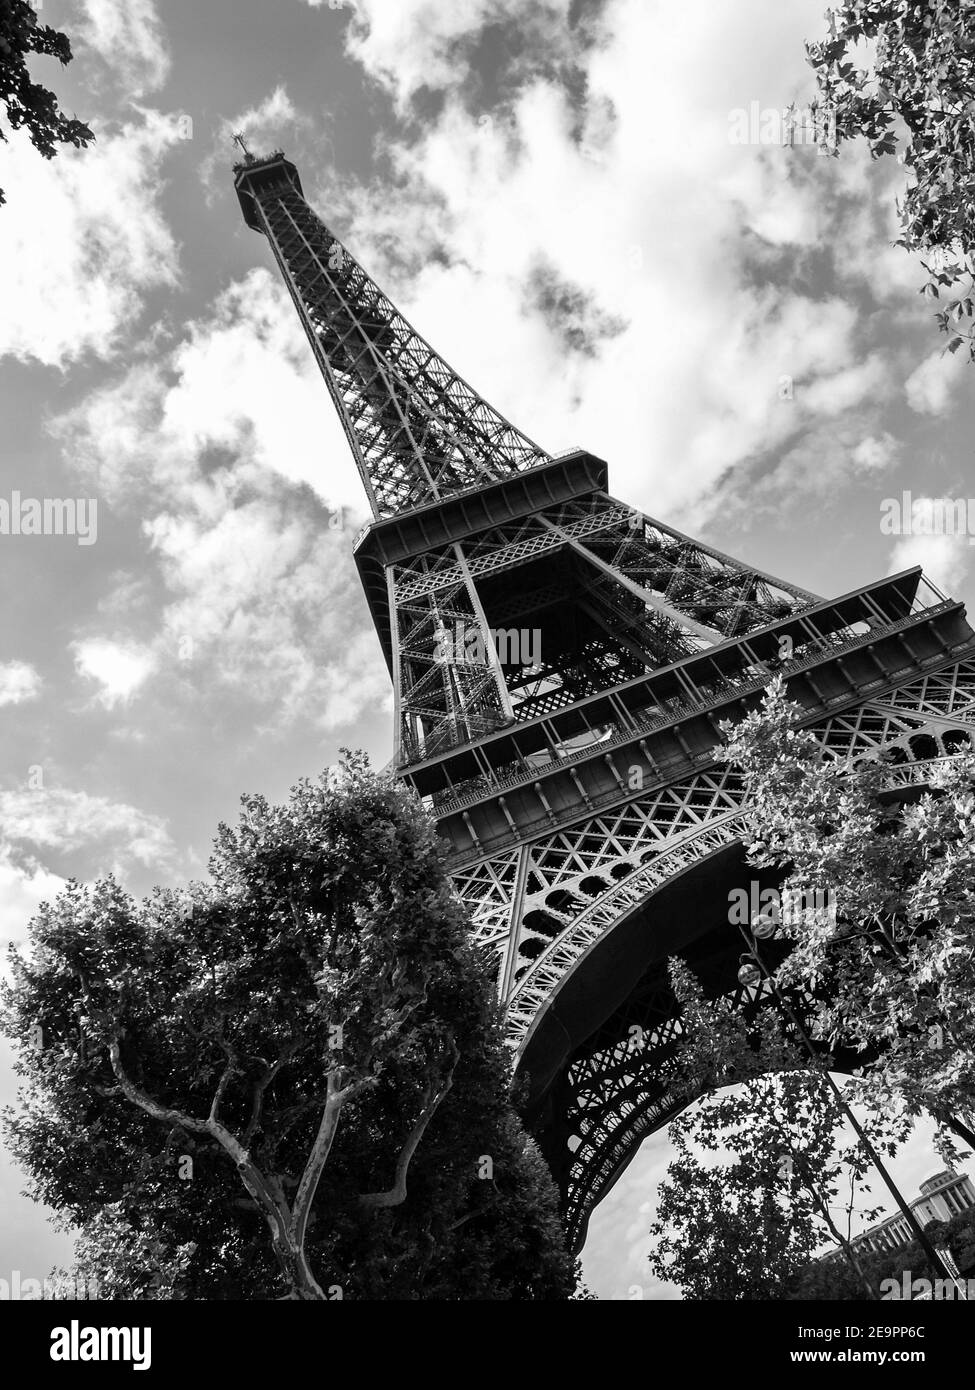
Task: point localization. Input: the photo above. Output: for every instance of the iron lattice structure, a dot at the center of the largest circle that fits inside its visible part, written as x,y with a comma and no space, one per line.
561,663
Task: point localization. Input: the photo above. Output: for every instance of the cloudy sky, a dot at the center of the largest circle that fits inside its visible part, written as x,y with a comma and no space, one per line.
552,193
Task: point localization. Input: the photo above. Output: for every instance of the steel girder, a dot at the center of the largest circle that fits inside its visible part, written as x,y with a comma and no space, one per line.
579,792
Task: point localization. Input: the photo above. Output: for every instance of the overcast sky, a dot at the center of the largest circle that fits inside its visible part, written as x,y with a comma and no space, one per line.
551,193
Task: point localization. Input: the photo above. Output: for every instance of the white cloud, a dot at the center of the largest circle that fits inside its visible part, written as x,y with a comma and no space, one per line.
83,238
412,43
241,387
276,112
24,885
118,668
832,394
635,207
263,127
247,384
228,446
62,821
128,36
18,683
874,454
266,598
944,558
110,836
931,386
813,474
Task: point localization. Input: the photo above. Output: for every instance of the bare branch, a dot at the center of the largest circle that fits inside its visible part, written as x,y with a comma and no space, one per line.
145,1102
275,1211
229,1072
396,1194
261,1085
336,1098
479,1211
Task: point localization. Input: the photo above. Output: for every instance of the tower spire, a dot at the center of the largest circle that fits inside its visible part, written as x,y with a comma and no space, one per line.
239,140
419,433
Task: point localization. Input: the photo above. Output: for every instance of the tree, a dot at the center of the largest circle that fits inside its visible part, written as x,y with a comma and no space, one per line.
722,1234
917,93
829,1278
27,103
958,1235
891,964
747,1228
308,1042
114,1259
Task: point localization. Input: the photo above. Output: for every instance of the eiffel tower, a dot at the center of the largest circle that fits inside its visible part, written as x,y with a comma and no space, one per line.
560,664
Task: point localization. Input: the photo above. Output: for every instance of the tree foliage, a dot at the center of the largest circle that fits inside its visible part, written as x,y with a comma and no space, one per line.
901,74
115,1259
892,964
884,975
744,1228
297,1068
29,104
791,1176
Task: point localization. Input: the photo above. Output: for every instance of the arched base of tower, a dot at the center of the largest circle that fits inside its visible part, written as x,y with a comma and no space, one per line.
591,1066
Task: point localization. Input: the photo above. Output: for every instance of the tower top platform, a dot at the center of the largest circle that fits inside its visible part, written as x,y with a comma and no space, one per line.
253,175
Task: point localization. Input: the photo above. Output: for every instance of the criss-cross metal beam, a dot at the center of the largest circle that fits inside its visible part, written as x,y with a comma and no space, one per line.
590,828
